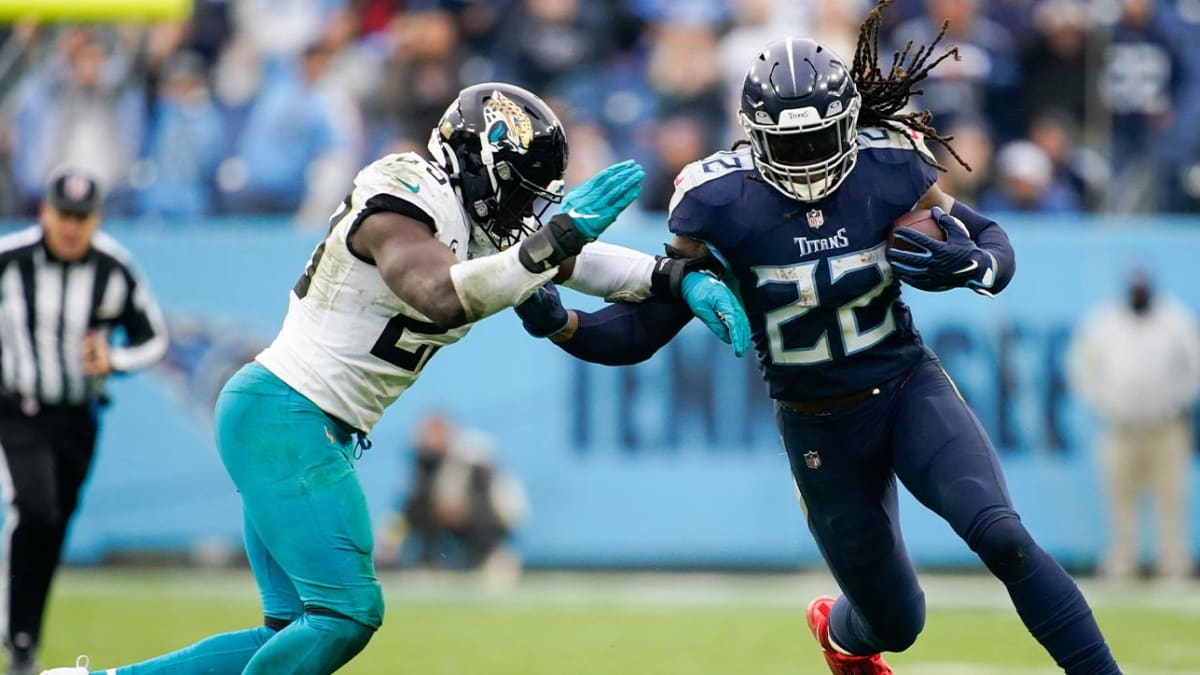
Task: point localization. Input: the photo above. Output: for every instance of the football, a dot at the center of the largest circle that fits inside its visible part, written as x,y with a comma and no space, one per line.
920,220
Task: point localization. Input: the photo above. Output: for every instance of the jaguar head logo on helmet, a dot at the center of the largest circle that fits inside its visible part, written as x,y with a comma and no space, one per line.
506,152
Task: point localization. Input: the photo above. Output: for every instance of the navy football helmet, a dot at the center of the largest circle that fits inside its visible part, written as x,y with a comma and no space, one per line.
506,153
800,106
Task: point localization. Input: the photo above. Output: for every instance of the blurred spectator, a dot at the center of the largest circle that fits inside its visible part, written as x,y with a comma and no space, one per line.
459,503
283,29
974,145
617,97
590,150
835,24
685,75
299,142
710,12
1078,168
209,29
679,140
982,82
545,41
1136,363
1141,79
419,76
175,179
353,67
383,69
756,23
478,22
1025,182
1054,64
376,15
81,108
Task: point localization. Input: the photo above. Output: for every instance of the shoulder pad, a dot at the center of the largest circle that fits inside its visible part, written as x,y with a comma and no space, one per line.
705,193
886,138
414,186
711,168
411,178
403,173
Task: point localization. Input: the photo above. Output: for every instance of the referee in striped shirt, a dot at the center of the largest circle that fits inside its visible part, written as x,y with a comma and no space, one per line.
64,287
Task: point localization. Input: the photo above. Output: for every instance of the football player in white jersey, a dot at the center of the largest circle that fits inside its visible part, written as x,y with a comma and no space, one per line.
418,251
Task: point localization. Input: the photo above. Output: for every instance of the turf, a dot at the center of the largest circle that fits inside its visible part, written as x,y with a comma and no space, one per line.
552,624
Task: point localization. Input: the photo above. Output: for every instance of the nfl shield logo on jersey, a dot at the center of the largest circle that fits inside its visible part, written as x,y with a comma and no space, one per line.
816,219
812,460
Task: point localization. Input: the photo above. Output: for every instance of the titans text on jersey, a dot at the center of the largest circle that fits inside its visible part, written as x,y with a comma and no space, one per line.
348,343
823,303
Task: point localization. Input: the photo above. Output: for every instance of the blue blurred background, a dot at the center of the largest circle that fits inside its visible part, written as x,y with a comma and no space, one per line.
675,462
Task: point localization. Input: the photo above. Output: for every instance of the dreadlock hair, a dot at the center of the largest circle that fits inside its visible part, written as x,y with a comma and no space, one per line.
884,95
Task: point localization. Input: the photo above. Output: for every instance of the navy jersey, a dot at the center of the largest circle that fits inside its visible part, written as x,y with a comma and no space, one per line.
823,303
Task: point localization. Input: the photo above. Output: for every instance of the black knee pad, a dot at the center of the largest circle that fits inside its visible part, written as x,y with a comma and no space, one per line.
1006,547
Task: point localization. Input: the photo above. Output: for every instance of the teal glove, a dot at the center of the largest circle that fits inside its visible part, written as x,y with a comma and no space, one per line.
596,203
713,303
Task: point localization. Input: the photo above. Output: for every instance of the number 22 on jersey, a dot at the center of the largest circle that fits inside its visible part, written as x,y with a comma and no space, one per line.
804,277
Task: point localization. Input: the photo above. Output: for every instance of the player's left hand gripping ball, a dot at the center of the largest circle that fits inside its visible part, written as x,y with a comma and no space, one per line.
713,303
596,203
942,265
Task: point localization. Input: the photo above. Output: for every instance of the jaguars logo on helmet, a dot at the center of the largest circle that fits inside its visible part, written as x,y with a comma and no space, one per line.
505,152
506,123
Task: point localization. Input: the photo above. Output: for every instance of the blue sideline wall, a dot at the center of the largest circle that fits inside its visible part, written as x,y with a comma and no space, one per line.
673,462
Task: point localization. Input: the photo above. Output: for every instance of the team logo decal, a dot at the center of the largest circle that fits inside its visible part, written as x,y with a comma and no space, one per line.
812,460
816,219
76,187
507,124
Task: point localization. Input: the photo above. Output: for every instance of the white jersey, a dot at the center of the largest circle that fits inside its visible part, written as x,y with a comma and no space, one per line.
348,343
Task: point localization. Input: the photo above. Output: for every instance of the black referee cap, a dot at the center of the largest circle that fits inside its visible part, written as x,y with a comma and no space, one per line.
74,192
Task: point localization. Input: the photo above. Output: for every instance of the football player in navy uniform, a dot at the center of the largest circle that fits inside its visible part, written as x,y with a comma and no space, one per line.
418,252
800,219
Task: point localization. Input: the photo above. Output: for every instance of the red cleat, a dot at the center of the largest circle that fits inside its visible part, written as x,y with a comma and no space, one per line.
839,663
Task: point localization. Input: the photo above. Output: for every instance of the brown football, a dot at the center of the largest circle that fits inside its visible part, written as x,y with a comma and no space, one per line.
920,220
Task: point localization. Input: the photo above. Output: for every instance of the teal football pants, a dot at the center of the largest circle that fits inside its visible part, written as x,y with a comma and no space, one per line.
307,533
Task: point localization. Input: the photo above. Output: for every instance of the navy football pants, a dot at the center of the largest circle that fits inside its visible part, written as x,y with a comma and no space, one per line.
919,429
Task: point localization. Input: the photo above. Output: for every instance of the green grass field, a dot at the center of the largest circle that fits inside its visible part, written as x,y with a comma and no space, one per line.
619,624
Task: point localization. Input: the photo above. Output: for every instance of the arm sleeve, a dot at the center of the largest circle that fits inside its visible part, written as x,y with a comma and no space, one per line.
992,239
624,333
614,273
145,330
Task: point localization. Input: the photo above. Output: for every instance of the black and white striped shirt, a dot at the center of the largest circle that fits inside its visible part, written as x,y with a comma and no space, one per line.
48,306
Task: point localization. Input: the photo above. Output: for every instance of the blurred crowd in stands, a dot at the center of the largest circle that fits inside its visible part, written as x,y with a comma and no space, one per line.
271,106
